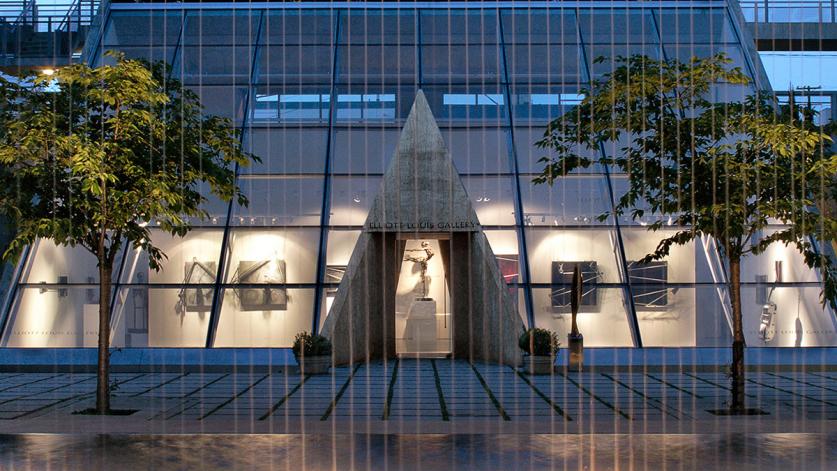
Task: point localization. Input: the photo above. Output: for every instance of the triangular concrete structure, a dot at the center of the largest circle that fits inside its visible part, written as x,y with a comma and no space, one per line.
422,195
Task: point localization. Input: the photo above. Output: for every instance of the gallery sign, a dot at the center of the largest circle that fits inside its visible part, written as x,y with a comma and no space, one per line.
422,226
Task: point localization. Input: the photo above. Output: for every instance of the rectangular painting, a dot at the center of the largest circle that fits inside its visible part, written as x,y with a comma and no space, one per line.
562,279
267,298
198,298
510,270
648,283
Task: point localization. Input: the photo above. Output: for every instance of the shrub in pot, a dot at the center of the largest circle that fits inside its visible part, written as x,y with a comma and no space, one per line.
312,352
540,347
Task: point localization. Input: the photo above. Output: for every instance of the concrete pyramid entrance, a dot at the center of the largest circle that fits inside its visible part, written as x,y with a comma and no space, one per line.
422,196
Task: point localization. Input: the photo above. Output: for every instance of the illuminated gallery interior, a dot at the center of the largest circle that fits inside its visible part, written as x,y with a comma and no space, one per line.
321,95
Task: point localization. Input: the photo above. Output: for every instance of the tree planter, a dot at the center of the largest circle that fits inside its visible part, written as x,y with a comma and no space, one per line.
575,345
539,364
314,365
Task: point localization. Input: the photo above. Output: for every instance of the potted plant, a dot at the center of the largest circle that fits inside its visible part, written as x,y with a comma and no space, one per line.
575,341
313,353
541,347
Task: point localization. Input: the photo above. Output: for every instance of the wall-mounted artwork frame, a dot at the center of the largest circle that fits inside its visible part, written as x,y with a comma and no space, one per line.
562,278
267,298
648,283
198,298
510,271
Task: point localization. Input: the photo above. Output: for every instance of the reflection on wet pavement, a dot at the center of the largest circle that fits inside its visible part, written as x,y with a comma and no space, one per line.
802,451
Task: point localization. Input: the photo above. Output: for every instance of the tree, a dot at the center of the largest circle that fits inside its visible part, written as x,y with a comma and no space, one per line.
91,156
714,170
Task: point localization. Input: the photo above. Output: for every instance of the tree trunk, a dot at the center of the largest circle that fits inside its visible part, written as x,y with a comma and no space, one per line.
738,378
103,372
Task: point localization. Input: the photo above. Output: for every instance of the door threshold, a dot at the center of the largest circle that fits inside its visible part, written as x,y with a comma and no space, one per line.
424,355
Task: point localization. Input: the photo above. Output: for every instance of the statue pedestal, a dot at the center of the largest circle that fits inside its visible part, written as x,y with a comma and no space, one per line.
420,331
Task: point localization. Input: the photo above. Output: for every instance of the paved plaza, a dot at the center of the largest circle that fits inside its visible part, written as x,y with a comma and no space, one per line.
419,396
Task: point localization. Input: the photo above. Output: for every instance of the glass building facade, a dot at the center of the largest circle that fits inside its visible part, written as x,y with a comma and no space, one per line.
321,93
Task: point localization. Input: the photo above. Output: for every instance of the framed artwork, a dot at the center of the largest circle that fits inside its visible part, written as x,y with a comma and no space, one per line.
510,271
562,278
198,298
648,283
334,273
509,267
267,298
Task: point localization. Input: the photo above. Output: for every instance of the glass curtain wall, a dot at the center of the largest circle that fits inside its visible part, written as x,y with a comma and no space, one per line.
321,95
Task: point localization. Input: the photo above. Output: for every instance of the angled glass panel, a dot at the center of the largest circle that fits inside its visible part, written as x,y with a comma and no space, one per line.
361,63
147,53
363,149
506,249
50,264
286,150
778,263
220,28
50,317
192,259
554,252
351,198
604,324
534,104
454,63
378,27
575,200
478,150
467,104
213,205
284,312
303,26
279,200
728,93
445,26
341,243
696,261
214,64
373,104
539,26
685,316
149,316
686,52
143,28
537,63
272,255
617,25
294,64
786,315
528,155
602,58
290,104
492,198
225,101
695,25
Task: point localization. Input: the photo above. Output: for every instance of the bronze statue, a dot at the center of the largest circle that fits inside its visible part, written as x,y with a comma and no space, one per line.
422,261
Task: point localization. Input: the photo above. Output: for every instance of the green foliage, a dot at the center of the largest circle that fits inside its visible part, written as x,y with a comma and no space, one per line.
308,345
95,157
539,342
710,169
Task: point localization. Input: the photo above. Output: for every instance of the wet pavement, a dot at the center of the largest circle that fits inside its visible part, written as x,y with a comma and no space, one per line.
484,452
417,392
